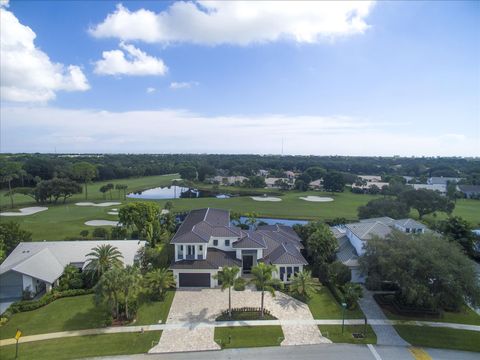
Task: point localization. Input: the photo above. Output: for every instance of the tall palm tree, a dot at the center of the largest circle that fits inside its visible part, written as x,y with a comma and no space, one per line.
303,284
103,258
227,277
158,281
264,281
130,284
109,287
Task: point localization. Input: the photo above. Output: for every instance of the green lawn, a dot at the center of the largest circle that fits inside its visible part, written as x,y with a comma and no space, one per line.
324,306
151,312
334,333
440,337
466,208
84,346
466,316
248,336
72,313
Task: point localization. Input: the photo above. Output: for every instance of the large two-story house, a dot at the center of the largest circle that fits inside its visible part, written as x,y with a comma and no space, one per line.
206,242
352,238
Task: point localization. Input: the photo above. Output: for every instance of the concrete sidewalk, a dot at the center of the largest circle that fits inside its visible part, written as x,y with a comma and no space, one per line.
187,325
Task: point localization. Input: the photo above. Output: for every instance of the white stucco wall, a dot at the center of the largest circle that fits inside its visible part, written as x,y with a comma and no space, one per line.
197,250
221,243
356,242
28,283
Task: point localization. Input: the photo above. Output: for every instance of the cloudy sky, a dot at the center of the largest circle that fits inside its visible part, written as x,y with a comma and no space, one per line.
359,78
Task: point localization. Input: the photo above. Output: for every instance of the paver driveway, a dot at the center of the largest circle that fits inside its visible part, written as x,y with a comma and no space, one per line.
204,305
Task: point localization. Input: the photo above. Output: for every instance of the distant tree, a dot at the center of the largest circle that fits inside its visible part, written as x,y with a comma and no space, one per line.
54,189
11,234
304,178
374,190
188,172
333,182
84,233
431,272
303,284
10,171
145,217
301,185
264,281
122,187
168,205
316,172
339,274
460,231
227,279
426,201
384,207
255,182
104,189
85,172
282,184
118,232
204,171
100,233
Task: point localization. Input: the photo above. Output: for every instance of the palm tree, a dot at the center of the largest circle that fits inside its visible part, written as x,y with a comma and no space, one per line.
158,281
264,281
252,220
109,287
103,258
303,284
130,284
227,277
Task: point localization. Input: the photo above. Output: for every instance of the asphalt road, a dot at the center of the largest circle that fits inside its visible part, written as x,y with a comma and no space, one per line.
314,352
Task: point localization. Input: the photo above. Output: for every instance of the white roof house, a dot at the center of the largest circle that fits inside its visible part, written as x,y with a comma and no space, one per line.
434,187
40,264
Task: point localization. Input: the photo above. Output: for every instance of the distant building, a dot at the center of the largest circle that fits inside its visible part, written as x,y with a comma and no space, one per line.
316,184
229,180
470,191
352,238
442,189
262,172
371,178
290,174
273,182
440,180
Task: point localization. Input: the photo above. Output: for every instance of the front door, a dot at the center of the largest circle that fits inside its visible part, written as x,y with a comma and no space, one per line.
247,263
190,252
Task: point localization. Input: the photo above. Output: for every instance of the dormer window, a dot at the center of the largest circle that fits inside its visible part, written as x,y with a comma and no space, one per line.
227,242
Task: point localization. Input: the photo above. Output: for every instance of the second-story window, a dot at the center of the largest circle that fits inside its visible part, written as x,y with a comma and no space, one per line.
200,247
227,242
215,242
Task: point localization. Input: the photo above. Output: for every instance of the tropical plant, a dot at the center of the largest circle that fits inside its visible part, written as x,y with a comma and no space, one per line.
158,281
227,279
70,279
108,290
351,293
303,284
103,258
130,285
264,281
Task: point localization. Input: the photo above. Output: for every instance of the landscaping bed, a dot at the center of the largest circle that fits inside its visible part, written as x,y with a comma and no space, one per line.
245,314
388,301
248,336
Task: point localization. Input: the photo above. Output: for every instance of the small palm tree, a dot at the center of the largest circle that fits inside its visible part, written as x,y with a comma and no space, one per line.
103,258
158,281
130,284
303,284
108,288
264,281
227,277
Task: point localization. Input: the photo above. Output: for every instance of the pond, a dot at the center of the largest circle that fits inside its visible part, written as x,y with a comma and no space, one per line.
174,192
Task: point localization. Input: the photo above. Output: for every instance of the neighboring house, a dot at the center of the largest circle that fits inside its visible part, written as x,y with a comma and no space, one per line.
371,178
272,182
37,266
442,189
290,174
352,238
316,184
262,172
470,191
370,184
229,180
440,180
206,242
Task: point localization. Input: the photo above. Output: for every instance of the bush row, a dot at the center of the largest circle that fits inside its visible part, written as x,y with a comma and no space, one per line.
246,309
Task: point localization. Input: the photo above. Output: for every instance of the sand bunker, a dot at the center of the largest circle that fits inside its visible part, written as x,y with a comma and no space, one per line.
25,211
265,198
101,223
317,198
104,204
112,213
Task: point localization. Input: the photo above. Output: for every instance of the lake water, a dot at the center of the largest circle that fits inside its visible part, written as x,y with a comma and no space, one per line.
174,192
273,221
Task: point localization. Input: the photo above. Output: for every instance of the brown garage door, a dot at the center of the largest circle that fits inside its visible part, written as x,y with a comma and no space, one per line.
194,280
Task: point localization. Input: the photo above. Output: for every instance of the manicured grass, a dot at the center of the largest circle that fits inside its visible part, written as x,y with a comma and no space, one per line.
150,313
440,337
334,333
72,313
324,306
84,346
248,336
465,316
466,208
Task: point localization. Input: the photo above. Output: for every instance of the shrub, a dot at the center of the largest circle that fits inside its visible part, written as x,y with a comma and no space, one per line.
239,284
339,274
100,232
84,233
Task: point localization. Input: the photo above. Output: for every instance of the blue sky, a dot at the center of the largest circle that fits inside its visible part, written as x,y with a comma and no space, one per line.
400,78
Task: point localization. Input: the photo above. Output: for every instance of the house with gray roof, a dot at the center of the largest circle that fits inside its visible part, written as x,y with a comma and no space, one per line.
206,242
37,266
352,238
470,191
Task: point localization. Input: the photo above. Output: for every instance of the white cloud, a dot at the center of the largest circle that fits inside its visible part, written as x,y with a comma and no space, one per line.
27,73
150,90
41,129
183,85
130,61
4,3
237,22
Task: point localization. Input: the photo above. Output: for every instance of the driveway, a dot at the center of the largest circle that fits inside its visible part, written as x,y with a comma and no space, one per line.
204,305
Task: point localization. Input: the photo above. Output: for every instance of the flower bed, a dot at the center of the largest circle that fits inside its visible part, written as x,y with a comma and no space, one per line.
245,313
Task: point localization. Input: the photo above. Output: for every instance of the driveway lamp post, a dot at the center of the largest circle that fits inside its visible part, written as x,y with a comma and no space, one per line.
344,306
